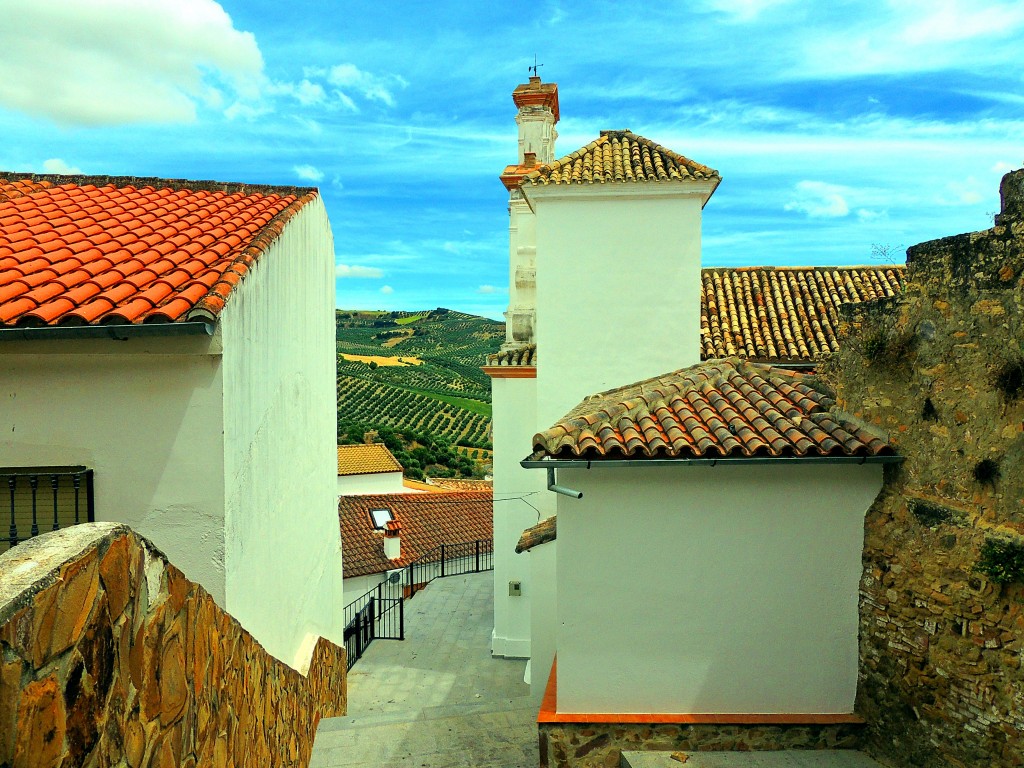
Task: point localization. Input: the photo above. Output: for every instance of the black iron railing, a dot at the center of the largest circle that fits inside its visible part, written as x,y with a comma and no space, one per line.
376,615
379,614
40,499
449,560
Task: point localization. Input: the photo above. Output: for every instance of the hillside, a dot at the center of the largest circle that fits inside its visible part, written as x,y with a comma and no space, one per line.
417,374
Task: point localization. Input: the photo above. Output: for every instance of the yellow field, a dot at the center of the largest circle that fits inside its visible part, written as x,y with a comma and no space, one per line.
384,361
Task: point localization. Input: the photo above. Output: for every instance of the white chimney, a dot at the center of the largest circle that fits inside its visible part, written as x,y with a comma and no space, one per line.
392,540
538,113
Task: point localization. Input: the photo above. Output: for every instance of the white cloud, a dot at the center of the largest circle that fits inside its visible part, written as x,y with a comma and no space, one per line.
305,92
866,215
108,62
56,165
742,10
387,290
348,78
819,200
346,270
1004,167
308,172
488,289
914,36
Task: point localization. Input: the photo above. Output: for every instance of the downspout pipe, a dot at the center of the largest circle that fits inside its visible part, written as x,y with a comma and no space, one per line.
561,489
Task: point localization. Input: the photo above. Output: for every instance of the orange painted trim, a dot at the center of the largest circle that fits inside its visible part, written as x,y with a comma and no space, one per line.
510,371
549,714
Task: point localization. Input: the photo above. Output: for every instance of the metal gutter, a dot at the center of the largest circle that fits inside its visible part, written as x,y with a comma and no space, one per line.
114,332
552,464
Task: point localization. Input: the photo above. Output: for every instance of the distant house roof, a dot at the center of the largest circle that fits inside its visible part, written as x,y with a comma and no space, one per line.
82,250
427,520
716,409
784,314
461,484
366,459
541,533
620,156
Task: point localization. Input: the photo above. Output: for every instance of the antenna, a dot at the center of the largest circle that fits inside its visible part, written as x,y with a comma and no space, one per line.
533,69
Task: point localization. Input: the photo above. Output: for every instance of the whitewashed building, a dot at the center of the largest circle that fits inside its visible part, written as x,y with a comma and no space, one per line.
607,287
177,340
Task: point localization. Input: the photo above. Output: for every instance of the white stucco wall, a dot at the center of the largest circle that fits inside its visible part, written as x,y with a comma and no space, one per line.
283,544
357,586
518,494
711,589
373,483
543,615
618,286
145,415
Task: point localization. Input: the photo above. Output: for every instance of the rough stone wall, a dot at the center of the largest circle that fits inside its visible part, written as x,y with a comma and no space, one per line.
110,657
599,745
941,370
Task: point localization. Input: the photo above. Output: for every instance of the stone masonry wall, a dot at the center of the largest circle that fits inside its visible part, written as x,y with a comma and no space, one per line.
599,745
110,657
942,599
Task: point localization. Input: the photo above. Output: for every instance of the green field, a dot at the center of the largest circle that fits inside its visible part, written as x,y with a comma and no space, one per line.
447,397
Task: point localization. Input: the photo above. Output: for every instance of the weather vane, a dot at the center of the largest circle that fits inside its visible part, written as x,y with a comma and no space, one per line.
534,67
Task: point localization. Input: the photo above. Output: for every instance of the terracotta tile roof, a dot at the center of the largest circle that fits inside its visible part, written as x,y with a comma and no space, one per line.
770,314
620,156
720,408
366,459
427,519
521,356
461,484
80,250
541,533
416,485
784,314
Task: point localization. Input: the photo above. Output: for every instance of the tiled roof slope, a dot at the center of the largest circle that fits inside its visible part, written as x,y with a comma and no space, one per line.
82,250
541,533
427,519
784,314
366,459
721,408
522,356
620,156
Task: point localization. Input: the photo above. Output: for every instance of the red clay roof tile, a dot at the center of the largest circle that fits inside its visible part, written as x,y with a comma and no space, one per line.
427,520
97,249
716,409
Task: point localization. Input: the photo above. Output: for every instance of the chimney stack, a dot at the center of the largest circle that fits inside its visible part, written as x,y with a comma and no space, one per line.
392,540
538,113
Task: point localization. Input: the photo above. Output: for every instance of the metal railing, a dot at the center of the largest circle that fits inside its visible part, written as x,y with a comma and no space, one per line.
449,560
379,614
40,499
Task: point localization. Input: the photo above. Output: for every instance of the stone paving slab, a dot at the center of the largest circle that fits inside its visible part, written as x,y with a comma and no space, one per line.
437,699
805,758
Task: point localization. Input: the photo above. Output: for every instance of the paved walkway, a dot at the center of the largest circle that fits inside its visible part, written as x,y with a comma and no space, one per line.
437,699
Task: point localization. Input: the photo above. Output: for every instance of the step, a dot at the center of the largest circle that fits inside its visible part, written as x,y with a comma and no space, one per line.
789,758
462,709
491,734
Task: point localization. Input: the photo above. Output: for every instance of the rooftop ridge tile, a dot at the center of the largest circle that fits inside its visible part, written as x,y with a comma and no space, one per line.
111,231
716,409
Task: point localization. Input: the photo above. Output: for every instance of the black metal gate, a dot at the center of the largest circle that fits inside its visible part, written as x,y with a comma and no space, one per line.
377,615
380,613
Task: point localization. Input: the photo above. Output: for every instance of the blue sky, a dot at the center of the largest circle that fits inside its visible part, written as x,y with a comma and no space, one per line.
839,129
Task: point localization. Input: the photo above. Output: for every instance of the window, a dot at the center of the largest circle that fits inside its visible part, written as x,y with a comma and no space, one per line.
381,518
35,500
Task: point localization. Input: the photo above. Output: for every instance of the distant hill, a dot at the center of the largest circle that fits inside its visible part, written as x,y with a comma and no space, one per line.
417,374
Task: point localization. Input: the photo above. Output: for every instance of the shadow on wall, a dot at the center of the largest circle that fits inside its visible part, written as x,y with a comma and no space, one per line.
107,653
